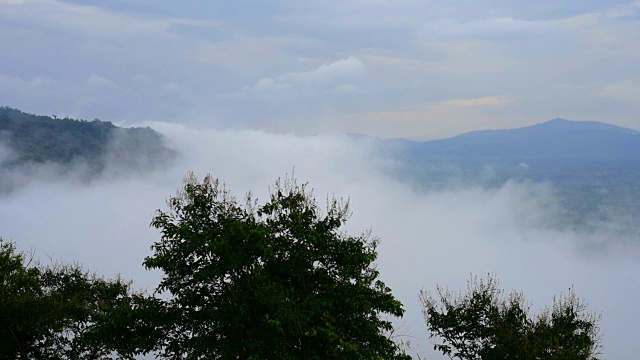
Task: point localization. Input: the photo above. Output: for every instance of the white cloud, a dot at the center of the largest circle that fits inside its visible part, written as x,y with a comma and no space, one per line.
607,33
339,70
171,88
6,153
485,101
14,82
621,11
358,14
494,26
94,20
624,91
340,77
98,81
268,84
81,20
345,89
330,73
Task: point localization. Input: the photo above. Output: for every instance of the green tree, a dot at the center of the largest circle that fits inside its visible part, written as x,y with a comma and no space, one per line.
19,293
486,323
276,281
57,311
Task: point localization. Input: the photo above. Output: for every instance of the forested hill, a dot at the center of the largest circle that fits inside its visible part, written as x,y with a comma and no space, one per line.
27,139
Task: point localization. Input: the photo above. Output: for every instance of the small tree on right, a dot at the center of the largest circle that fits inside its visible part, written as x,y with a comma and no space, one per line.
487,323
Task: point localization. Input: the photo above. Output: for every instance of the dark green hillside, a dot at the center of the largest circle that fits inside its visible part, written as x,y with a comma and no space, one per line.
40,139
34,139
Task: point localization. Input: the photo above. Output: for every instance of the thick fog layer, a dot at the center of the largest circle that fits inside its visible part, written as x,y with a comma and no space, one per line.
426,238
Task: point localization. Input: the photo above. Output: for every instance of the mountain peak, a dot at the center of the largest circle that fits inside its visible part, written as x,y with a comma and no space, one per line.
560,121
559,124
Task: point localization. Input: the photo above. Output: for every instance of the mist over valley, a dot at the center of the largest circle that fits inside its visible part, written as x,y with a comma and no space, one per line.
440,214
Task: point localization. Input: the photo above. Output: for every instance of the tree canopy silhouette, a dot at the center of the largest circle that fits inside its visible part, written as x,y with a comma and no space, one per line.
486,323
273,281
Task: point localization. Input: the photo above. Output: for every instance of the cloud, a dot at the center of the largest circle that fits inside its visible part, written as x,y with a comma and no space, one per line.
622,91
345,89
171,88
426,237
15,82
335,71
494,26
6,154
608,32
81,20
98,81
357,14
485,101
335,75
94,20
394,61
623,11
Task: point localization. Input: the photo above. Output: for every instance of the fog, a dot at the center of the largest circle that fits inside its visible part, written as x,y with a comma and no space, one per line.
427,238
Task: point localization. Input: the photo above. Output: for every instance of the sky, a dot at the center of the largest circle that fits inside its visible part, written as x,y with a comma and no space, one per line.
414,69
252,91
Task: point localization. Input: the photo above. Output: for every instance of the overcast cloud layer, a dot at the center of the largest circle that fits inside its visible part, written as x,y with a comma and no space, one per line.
418,69
426,238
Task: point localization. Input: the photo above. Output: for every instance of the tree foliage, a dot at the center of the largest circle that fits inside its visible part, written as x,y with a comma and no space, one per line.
486,323
55,312
275,281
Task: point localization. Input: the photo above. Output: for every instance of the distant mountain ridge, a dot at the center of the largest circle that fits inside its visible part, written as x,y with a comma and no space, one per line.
583,141
594,167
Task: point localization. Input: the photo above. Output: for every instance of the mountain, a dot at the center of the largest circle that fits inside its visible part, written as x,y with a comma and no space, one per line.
555,142
28,140
594,167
